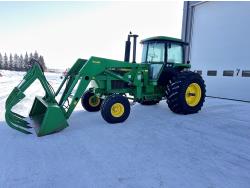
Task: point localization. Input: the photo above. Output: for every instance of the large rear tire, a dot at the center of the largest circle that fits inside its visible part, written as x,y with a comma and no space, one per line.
115,109
186,93
91,102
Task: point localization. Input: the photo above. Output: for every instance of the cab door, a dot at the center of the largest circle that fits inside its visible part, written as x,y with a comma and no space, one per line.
155,57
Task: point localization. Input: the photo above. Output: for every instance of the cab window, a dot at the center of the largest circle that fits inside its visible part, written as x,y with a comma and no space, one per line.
144,53
175,53
156,52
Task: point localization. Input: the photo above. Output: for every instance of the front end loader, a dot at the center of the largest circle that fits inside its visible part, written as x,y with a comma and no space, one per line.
161,75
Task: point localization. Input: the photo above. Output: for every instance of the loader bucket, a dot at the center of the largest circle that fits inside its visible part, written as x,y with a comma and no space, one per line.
46,115
47,118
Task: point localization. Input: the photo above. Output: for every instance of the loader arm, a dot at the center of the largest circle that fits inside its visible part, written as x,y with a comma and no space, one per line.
83,72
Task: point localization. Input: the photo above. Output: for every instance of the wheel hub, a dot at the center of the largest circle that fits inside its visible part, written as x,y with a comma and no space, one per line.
193,94
94,101
117,110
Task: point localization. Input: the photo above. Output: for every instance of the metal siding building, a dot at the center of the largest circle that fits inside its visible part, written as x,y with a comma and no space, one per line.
219,37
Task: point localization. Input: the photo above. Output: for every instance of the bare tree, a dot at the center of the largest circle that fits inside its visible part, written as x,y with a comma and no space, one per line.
26,61
5,62
1,61
16,63
42,63
20,63
11,63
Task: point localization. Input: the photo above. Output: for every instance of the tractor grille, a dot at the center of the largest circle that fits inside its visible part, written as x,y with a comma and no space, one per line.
118,84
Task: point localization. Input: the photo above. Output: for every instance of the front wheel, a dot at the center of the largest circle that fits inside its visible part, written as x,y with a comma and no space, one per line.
115,109
186,93
91,102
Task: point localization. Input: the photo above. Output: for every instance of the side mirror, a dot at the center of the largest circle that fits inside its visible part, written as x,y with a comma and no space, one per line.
188,62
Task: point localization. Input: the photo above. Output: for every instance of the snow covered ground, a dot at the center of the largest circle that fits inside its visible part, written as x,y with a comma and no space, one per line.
154,148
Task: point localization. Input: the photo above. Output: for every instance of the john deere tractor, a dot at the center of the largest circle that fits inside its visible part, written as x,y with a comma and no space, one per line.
162,74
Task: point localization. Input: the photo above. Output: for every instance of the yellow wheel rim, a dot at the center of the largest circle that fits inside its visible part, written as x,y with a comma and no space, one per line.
193,94
117,110
94,101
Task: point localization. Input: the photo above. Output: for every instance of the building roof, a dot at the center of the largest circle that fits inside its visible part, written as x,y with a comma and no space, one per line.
163,38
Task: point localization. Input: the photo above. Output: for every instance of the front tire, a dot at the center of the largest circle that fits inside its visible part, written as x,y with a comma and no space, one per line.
91,102
186,93
115,109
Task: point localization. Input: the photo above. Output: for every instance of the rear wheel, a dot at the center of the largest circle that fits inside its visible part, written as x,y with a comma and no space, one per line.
91,102
186,93
115,109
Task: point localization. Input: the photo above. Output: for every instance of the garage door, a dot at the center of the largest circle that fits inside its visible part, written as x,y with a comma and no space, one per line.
220,48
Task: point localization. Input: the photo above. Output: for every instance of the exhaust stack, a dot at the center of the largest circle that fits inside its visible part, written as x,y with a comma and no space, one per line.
128,47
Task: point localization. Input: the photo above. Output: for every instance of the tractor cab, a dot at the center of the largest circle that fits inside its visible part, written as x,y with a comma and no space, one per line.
162,52
164,55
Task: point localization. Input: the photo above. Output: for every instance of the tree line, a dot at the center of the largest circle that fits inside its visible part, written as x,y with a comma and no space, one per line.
19,62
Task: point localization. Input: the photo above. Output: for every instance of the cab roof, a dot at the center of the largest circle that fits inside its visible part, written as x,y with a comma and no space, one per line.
163,38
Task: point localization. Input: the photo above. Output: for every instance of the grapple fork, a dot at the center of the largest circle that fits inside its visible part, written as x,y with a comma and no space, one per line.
44,109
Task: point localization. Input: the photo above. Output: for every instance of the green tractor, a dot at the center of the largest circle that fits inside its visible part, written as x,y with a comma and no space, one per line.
162,74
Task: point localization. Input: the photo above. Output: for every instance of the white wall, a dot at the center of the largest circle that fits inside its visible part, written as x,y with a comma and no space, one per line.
220,40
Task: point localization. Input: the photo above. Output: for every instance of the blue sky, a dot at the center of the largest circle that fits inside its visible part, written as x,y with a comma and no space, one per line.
65,31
